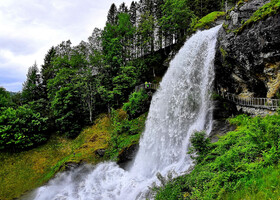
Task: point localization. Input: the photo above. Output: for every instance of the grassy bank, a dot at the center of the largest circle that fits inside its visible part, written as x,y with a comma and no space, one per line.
21,172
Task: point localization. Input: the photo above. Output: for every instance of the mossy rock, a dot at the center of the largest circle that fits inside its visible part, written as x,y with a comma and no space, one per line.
269,9
207,21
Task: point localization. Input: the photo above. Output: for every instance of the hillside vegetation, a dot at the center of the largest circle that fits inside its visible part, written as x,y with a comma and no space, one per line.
27,170
243,164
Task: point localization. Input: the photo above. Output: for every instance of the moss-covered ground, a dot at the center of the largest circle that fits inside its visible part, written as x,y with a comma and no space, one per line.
24,171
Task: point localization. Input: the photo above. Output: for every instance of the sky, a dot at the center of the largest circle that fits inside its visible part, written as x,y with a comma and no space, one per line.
29,28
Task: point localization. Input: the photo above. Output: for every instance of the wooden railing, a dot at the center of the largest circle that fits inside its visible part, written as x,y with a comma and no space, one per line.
265,103
147,86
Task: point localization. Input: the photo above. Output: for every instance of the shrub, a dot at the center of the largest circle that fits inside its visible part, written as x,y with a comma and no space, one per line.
200,145
21,128
138,104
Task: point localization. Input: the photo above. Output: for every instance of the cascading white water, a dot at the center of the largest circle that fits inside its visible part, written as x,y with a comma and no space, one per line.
180,107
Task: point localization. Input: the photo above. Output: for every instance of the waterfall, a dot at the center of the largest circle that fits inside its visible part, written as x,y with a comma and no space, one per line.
181,106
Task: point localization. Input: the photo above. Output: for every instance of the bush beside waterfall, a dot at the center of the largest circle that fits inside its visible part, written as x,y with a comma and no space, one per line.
137,104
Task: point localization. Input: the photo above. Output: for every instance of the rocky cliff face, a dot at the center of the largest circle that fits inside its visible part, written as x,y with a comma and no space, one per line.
248,57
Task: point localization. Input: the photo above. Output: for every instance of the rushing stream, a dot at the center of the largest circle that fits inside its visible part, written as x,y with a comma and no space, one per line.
181,106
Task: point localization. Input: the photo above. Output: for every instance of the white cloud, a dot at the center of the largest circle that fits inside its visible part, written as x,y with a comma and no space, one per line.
30,27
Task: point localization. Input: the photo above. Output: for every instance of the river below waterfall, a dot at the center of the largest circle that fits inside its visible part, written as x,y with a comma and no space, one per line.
181,106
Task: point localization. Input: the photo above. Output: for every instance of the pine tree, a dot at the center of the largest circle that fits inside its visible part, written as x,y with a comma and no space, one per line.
133,20
123,8
47,71
158,29
112,15
132,12
31,87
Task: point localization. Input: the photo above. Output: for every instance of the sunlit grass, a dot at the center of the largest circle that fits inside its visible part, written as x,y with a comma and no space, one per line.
264,185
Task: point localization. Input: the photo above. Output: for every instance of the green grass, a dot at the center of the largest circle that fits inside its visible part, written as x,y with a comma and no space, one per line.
26,170
208,19
262,13
244,164
264,185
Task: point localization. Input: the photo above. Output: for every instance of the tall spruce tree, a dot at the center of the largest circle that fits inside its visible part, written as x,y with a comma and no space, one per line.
112,15
47,71
31,87
133,13
123,8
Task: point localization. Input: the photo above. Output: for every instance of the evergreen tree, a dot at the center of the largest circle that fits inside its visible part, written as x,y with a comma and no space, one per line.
133,20
158,29
176,18
31,87
145,33
133,13
47,71
112,15
123,8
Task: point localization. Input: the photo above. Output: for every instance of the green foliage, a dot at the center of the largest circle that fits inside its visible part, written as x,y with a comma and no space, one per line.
265,11
237,160
223,52
65,101
26,170
202,8
145,30
207,20
262,185
21,128
115,41
5,98
200,145
137,104
124,82
176,17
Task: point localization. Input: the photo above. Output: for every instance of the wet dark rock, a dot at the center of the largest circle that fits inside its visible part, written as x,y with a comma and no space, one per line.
71,165
100,152
128,153
220,128
224,109
248,63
